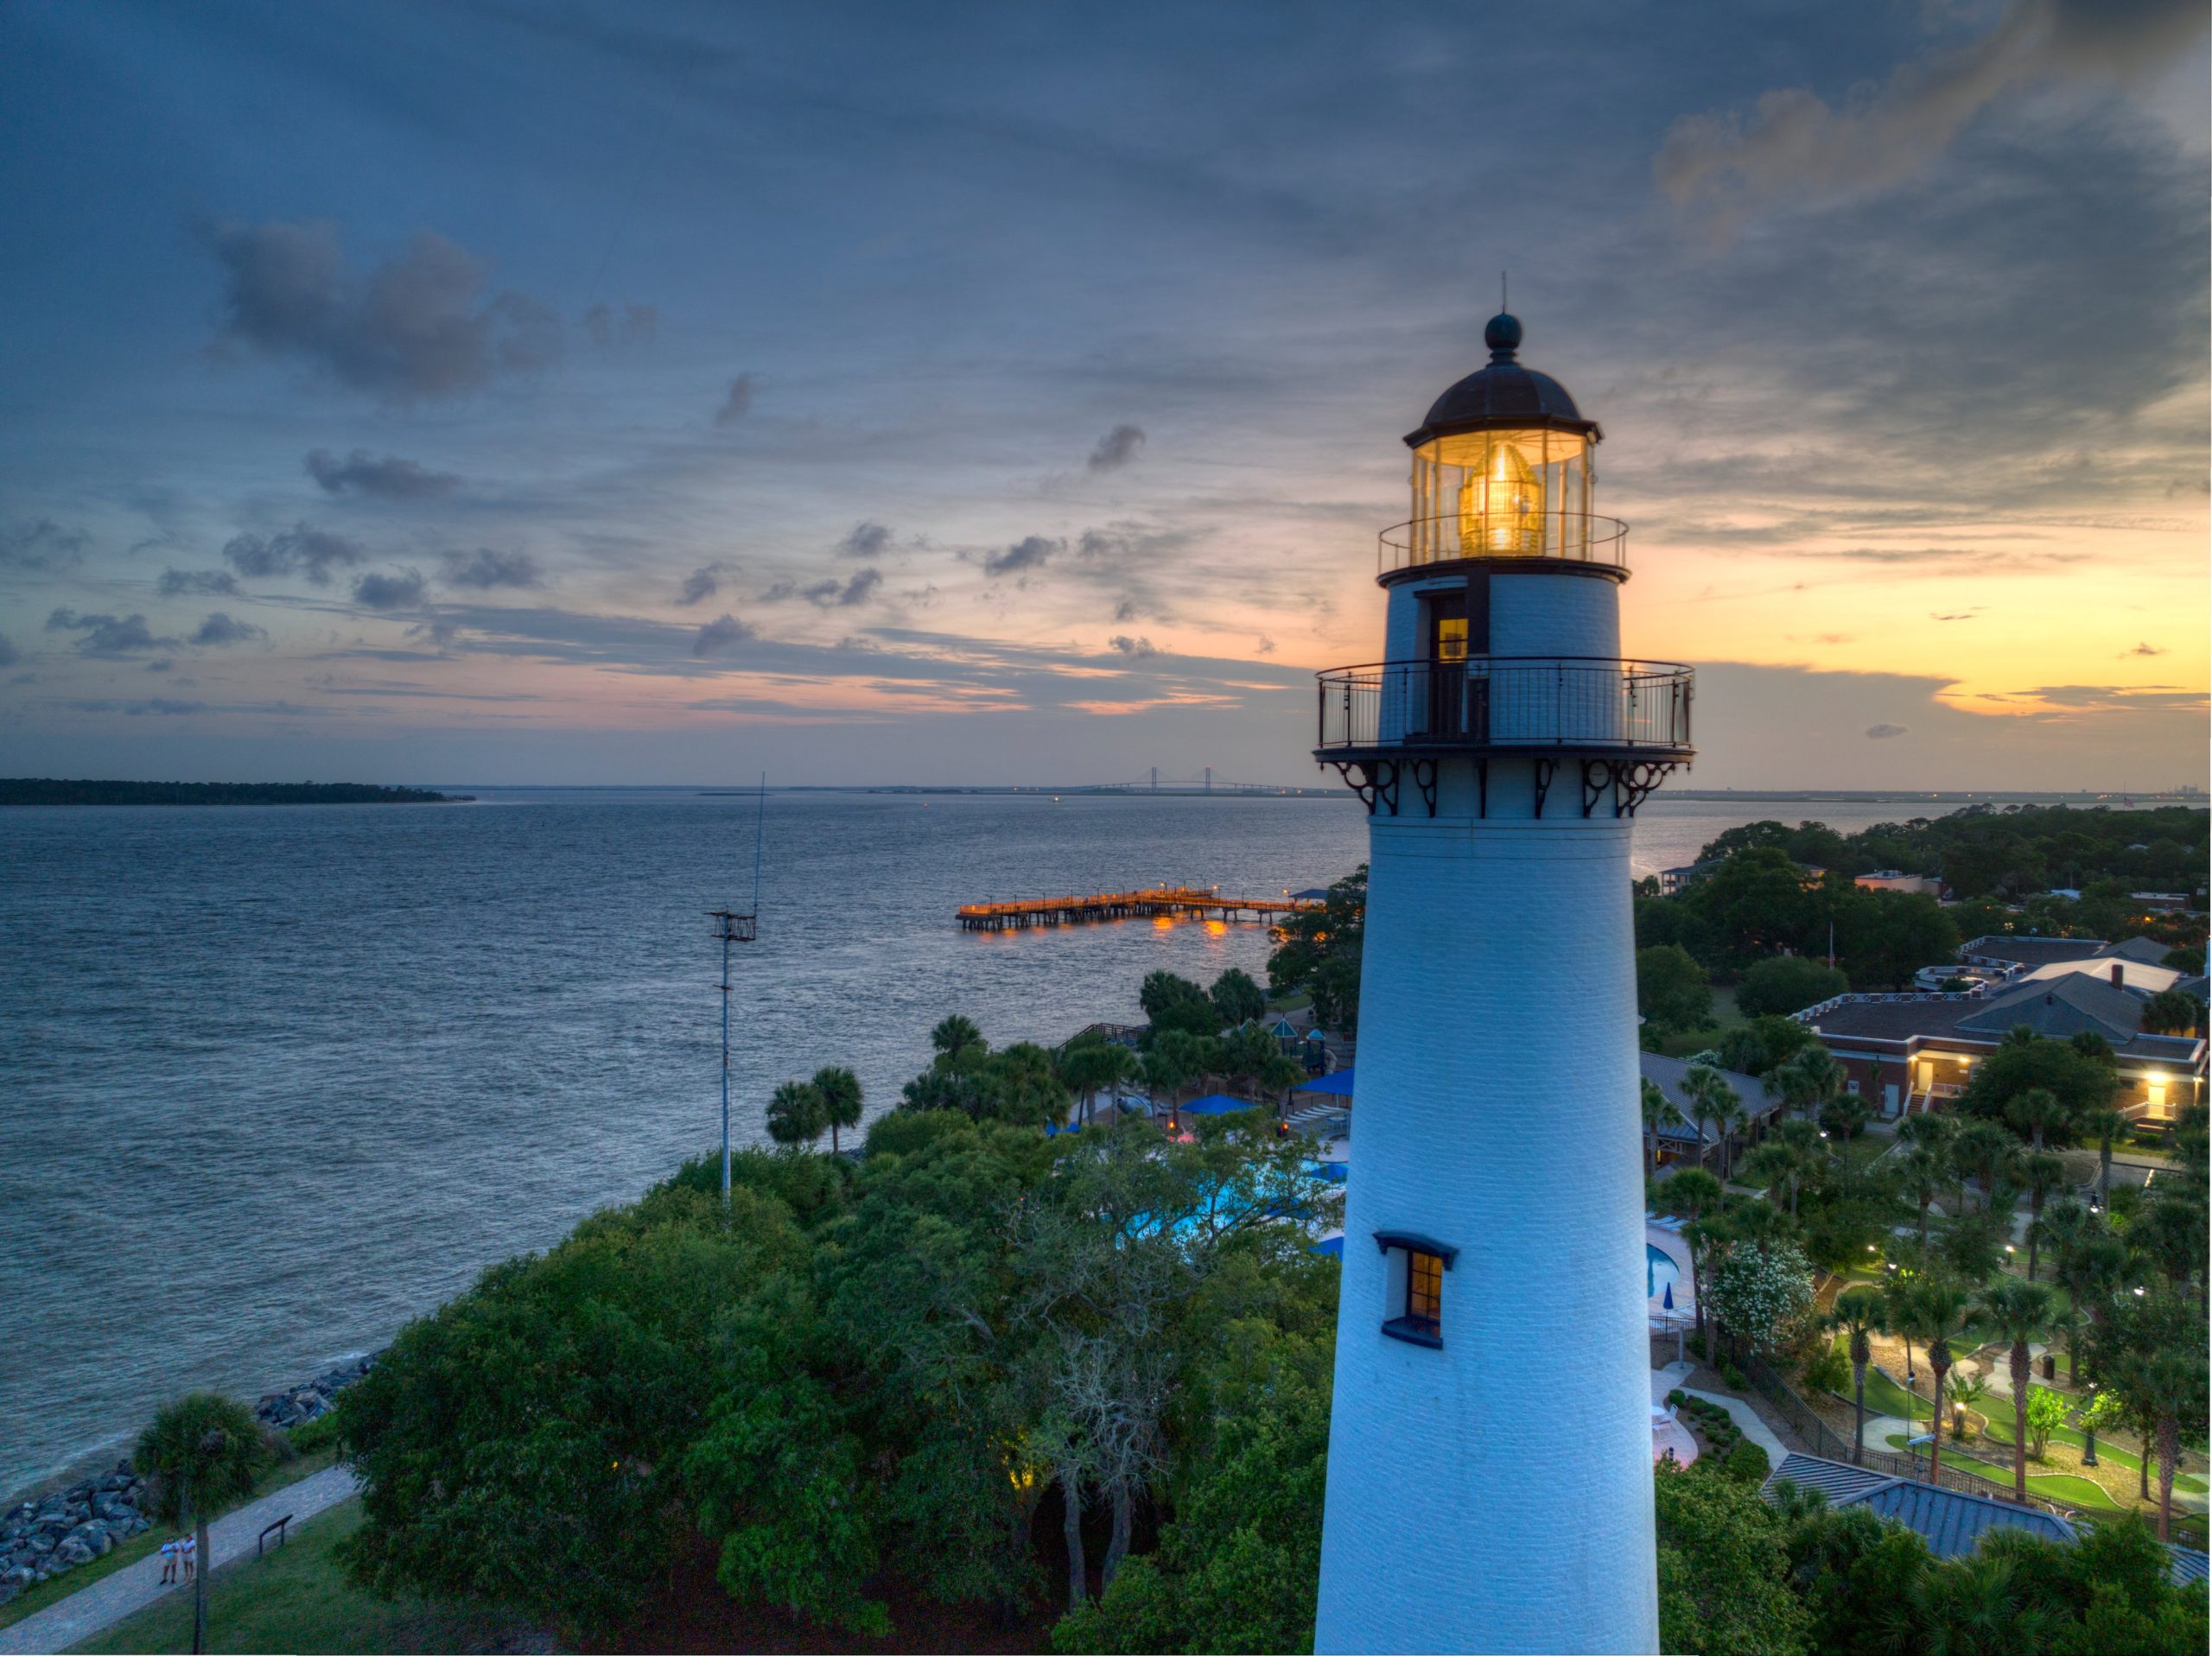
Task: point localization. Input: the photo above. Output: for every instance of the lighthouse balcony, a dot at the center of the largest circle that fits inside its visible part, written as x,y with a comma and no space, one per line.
1636,710
1504,534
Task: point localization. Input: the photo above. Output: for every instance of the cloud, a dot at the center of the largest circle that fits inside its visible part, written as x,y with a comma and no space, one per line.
1129,646
1126,610
218,631
1026,553
417,328
1794,147
2147,698
42,544
635,325
1264,645
389,478
2142,649
703,583
866,540
1882,733
832,593
722,636
403,589
1116,449
739,402
313,552
107,635
197,583
8,654
485,568
1958,615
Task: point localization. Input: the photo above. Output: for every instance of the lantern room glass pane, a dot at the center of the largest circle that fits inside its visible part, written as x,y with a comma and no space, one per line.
1510,492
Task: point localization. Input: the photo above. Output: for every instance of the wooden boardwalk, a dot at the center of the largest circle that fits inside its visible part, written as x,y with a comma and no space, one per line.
1169,902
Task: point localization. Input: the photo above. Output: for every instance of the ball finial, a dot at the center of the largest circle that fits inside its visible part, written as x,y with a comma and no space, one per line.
1502,336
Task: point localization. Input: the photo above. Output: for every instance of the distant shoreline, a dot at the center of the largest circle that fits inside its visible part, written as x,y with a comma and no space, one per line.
46,790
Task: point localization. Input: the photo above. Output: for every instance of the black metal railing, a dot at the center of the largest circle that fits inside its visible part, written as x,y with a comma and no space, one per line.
1579,703
1568,537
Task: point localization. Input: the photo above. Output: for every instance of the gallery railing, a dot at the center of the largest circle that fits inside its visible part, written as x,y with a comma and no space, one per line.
1570,536
1487,703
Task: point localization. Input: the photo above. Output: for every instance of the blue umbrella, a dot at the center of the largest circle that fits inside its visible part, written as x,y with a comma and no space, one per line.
1667,1302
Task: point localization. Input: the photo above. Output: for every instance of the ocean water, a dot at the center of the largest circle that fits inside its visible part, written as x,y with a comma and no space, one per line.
275,1080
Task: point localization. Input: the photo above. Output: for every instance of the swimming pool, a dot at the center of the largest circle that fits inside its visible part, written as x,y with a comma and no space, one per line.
1659,1270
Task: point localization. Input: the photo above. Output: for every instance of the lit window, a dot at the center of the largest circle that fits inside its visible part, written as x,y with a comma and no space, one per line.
1414,1286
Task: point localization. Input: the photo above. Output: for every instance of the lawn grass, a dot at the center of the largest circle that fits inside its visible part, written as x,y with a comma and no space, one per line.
1726,1012
2064,1487
37,1597
299,1598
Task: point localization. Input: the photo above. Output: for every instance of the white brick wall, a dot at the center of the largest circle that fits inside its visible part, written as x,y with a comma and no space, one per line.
1496,1494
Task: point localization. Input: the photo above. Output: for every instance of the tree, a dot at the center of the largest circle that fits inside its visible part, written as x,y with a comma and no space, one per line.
797,1114
1723,1573
1673,992
2102,1123
1762,1295
2079,1082
2046,1413
2039,1177
201,1454
2169,1011
1709,1099
1236,1000
2017,1314
1859,1312
2036,1111
1844,1116
1809,1079
1691,1194
1787,983
1936,1308
1790,1157
1175,1003
1657,1109
1089,1066
1319,953
1979,1153
956,1036
1924,1176
841,1099
2152,1355
1886,936
1764,1046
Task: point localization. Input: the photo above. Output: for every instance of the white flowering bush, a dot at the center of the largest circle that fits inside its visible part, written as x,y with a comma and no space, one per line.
1762,1295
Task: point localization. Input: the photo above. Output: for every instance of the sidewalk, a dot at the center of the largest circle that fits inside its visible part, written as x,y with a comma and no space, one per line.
110,1599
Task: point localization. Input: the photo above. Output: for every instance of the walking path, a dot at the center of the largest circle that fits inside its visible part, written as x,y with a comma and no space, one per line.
1670,1377
132,1587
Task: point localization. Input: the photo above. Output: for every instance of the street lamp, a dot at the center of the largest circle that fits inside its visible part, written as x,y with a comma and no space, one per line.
2090,1429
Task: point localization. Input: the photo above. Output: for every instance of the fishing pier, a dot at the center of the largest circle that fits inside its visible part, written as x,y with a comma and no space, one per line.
1159,902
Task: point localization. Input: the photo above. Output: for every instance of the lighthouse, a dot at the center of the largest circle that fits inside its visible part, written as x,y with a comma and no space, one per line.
1489,1450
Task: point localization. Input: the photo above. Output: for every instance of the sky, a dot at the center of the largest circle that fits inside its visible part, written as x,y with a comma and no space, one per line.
624,394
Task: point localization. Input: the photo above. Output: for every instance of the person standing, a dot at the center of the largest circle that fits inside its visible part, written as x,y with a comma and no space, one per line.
189,1548
169,1563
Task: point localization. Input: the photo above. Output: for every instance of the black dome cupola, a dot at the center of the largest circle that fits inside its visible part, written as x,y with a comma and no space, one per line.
1503,394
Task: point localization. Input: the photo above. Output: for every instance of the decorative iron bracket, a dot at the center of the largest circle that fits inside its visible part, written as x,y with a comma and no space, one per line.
1425,779
1482,787
1378,782
1597,777
1546,769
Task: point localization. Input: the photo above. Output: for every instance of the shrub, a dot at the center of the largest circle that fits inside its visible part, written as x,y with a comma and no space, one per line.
1733,1374
1747,1462
319,1433
1829,1370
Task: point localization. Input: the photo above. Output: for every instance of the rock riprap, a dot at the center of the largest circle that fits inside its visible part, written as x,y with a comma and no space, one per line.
42,1539
308,1402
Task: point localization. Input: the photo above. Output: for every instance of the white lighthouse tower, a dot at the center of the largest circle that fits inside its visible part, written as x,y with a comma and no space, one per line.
1490,1452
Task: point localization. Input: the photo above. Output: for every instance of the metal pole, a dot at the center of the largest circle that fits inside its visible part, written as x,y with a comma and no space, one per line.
725,1059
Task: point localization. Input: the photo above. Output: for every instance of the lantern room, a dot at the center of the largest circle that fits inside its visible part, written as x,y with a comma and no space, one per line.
1501,469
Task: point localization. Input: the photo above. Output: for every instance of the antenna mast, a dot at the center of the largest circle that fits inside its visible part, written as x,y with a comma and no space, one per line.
732,928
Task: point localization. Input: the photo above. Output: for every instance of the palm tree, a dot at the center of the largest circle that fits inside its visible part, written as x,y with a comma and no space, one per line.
841,1097
2040,1174
797,1114
2065,1227
2167,1383
1859,1312
1709,1096
1978,1152
2036,1112
202,1453
1731,1117
2018,1313
1808,1081
1690,1194
1657,1109
2101,1122
1793,1155
1936,1309
955,1035
1167,1068
1896,1316
1920,1171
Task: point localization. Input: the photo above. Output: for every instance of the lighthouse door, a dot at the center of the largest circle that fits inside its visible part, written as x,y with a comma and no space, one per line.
1445,630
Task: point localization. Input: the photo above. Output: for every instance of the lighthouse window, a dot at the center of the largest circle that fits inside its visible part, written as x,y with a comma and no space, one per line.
1424,1289
1414,1286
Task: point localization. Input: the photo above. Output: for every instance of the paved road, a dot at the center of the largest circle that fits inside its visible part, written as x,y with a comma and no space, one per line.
125,1591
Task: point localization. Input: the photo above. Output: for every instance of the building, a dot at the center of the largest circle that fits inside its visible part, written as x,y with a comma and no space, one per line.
1688,1141
1951,1521
1502,749
1911,1052
1895,879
